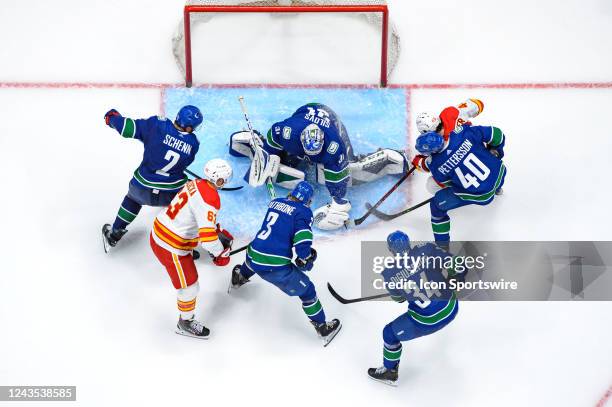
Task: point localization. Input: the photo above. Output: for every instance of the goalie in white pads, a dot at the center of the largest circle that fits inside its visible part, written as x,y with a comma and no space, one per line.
315,134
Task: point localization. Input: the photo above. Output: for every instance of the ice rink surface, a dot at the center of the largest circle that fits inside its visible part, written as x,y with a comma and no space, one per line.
74,316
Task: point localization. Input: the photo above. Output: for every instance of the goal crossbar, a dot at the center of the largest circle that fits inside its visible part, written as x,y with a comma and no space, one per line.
189,9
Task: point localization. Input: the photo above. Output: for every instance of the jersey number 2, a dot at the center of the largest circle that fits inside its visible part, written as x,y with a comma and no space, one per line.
173,157
270,220
476,167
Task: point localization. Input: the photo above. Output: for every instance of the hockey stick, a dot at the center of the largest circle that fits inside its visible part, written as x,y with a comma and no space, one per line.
256,149
193,174
350,301
243,248
372,209
391,216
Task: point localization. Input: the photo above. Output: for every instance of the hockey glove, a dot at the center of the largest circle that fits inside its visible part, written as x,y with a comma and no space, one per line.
109,114
225,237
307,263
398,299
419,162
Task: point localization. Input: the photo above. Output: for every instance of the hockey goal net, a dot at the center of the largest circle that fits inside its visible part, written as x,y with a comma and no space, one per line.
373,12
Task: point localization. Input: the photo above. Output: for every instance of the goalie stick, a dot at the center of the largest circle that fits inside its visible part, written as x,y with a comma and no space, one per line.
391,216
257,150
193,174
351,301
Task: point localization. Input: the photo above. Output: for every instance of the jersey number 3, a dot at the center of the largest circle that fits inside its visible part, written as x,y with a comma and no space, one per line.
270,220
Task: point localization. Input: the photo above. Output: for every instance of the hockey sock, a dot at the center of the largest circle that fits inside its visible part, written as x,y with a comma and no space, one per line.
312,306
392,349
440,223
245,271
186,300
127,213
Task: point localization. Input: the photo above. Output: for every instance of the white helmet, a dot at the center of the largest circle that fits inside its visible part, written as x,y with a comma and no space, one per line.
218,171
426,121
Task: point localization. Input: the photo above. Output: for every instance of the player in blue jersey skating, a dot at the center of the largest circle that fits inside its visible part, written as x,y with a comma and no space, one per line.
467,167
287,228
169,148
315,134
429,310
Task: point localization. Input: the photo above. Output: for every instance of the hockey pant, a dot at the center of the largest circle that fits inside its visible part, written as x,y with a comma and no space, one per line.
183,274
136,198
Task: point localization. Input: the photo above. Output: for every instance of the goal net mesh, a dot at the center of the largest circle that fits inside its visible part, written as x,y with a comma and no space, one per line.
375,19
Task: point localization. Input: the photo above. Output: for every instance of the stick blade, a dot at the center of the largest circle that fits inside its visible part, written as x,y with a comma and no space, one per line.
378,214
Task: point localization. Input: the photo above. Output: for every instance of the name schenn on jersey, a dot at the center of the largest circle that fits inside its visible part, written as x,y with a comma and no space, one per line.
177,144
456,158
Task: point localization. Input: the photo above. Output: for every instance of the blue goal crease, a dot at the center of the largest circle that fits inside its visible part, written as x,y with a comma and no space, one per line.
373,117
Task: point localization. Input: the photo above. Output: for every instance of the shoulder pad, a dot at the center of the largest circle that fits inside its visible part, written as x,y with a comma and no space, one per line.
209,194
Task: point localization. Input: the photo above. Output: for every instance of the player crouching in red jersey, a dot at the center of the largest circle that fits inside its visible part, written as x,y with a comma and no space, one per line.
191,218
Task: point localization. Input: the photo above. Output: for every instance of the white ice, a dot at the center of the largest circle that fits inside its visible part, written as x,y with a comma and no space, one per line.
71,315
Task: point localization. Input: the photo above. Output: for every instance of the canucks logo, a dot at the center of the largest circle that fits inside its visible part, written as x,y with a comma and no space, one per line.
286,132
333,147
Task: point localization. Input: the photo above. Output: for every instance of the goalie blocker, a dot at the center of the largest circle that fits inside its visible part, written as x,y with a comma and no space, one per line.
365,168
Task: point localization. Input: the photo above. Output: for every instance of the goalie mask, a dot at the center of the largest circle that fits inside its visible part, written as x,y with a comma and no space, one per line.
312,139
218,171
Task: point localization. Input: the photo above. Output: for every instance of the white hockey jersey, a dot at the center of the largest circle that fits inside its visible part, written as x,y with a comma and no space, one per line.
190,218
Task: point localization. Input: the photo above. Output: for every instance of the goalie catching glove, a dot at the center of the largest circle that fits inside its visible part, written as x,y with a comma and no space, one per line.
332,216
226,239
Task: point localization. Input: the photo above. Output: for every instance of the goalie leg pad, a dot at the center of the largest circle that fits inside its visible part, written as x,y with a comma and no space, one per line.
374,166
288,177
263,166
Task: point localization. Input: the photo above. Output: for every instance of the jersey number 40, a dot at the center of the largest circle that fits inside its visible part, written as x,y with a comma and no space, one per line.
479,171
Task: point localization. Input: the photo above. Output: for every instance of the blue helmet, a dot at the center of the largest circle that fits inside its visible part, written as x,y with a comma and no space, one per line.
312,139
429,143
398,242
303,192
189,116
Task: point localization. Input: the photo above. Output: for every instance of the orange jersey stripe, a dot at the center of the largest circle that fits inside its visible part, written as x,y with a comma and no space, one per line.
208,238
172,234
160,233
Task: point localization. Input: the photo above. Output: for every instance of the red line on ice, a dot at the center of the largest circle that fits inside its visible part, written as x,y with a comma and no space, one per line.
605,398
139,85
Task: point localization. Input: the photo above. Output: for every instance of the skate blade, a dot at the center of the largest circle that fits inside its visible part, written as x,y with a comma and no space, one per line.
105,244
387,382
183,333
330,337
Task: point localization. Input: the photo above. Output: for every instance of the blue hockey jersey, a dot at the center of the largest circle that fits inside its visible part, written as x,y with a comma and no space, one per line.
467,165
287,225
167,151
426,306
284,136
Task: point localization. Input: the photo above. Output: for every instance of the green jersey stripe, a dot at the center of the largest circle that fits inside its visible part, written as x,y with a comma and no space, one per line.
264,259
488,195
126,215
438,316
271,141
160,185
313,309
497,137
392,355
301,236
336,176
443,227
129,128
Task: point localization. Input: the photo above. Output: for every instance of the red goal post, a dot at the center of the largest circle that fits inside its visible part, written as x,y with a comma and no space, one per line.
389,37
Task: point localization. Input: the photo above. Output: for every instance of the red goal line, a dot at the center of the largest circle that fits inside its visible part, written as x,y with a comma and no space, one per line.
138,85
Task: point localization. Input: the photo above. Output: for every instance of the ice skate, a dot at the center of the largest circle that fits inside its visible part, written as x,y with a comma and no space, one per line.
327,331
384,375
192,328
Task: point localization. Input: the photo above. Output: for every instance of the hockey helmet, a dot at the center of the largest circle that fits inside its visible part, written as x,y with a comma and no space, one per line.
218,171
398,242
189,116
303,192
429,143
426,121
